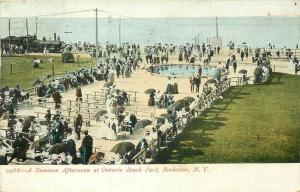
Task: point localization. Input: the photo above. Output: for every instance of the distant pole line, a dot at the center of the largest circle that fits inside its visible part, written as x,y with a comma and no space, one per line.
109,12
62,13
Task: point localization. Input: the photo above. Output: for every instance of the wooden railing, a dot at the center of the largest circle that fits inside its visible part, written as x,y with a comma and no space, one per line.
194,112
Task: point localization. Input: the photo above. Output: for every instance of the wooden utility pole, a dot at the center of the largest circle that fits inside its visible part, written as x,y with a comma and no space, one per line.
27,37
96,36
36,27
120,32
9,37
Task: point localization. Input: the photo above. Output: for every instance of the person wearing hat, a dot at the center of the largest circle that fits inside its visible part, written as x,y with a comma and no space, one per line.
78,94
57,132
57,99
71,145
151,101
56,115
48,117
10,108
21,145
133,121
78,124
142,145
66,127
3,155
197,83
86,148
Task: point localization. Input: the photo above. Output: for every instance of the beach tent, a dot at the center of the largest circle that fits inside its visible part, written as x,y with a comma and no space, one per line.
123,147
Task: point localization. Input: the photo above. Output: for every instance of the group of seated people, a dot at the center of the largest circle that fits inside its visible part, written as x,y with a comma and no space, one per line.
10,98
115,98
128,158
160,100
121,123
52,131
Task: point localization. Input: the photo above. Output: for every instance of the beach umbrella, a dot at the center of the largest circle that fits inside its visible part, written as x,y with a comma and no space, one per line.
182,102
142,123
108,84
160,120
149,91
189,99
243,71
123,147
28,120
58,148
166,115
177,106
120,109
41,142
37,81
61,87
102,112
211,81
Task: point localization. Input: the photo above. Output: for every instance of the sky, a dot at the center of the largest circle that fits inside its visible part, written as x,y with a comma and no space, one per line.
150,8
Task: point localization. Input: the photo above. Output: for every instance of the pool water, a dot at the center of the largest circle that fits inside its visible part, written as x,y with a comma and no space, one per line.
185,70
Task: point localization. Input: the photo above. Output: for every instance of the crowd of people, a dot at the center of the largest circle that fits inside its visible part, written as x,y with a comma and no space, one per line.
10,98
160,100
114,62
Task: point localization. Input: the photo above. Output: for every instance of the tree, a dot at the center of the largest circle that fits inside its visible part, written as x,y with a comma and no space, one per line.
67,57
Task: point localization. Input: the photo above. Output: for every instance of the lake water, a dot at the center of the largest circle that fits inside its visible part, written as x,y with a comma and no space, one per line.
256,31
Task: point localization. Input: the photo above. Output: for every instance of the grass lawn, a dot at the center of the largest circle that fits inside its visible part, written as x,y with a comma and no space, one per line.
24,74
252,124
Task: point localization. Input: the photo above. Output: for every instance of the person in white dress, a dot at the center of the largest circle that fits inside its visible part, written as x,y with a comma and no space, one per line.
109,105
157,97
111,76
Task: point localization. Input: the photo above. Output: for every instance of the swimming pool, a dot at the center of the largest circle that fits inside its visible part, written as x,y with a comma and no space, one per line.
185,70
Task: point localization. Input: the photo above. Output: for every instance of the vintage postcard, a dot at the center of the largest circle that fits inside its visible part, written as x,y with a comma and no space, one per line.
191,95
